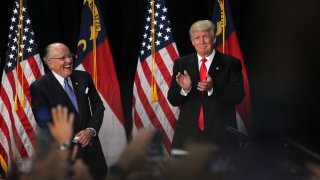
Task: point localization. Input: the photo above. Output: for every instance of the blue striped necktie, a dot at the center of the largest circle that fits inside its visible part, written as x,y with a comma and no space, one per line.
70,93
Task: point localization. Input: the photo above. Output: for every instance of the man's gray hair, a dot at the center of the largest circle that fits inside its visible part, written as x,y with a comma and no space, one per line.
47,50
202,25
46,54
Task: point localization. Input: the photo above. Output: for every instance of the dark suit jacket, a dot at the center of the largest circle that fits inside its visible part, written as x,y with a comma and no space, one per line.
47,92
219,108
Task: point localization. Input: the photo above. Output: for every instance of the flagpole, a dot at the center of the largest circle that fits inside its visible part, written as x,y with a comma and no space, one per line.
224,24
21,44
154,95
20,38
94,41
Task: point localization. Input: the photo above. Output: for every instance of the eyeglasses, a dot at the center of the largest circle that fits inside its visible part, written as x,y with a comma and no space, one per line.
70,56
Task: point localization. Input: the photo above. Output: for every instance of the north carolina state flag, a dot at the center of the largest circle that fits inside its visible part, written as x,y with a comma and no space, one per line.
227,43
95,57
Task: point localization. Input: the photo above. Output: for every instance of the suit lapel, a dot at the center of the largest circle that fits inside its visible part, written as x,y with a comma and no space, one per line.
214,69
57,86
60,90
77,90
216,65
193,70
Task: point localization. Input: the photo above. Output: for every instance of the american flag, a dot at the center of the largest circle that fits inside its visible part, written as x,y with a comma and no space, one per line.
22,66
153,74
94,56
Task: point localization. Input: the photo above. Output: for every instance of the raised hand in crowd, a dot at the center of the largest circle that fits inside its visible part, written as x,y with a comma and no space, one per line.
61,127
132,164
194,165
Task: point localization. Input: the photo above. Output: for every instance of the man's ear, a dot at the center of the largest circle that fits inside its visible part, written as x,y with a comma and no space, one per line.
49,64
214,39
192,41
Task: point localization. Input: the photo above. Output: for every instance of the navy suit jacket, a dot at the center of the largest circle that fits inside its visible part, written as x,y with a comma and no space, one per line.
219,108
47,92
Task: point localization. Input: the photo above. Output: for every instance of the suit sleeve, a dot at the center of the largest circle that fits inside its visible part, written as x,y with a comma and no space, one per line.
40,105
96,105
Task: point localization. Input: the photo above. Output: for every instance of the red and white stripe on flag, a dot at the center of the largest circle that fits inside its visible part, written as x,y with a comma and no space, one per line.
22,66
147,113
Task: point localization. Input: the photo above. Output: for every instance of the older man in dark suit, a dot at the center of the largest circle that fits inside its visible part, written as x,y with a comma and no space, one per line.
206,85
75,90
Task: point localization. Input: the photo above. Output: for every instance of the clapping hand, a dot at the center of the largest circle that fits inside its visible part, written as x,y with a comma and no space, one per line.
206,85
184,80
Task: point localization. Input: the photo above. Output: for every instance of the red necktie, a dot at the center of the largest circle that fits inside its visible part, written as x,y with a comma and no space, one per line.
203,77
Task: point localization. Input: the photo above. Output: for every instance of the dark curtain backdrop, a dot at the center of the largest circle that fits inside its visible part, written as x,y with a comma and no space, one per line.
277,37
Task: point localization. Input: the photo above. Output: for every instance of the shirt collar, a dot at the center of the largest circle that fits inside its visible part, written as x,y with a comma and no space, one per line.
60,78
209,58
